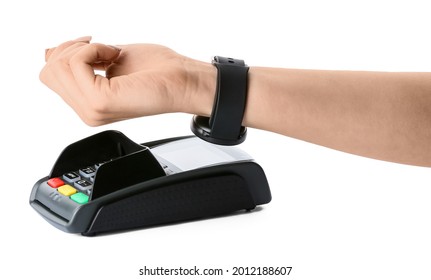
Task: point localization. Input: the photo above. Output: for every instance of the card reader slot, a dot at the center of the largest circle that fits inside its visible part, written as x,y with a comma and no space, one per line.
48,215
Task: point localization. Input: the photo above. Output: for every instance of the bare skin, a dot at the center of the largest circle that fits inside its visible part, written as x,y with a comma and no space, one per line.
381,115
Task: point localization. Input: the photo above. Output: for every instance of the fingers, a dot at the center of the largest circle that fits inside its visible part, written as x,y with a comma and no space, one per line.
69,72
57,50
57,76
78,58
83,61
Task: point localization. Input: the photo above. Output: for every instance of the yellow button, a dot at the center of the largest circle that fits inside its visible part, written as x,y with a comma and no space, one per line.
67,190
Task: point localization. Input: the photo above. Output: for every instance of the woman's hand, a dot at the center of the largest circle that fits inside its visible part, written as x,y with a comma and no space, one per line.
139,80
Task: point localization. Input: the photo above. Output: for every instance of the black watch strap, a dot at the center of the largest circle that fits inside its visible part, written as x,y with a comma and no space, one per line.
224,127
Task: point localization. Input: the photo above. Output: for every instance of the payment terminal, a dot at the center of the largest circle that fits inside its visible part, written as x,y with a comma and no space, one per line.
107,182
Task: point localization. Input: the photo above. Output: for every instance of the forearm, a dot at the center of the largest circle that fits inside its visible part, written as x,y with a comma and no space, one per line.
374,114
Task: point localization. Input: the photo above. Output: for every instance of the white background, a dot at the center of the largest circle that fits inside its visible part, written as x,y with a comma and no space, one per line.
333,215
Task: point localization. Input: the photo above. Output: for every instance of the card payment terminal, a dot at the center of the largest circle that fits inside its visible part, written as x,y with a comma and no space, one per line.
107,182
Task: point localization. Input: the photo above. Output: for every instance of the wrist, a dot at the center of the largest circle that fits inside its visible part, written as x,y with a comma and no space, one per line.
200,89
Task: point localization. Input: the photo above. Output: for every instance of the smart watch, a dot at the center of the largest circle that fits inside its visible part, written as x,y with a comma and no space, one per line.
224,127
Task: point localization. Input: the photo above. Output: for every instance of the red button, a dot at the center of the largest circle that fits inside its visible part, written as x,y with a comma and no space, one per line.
55,182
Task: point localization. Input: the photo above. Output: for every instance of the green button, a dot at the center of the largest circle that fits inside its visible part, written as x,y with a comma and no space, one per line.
79,198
